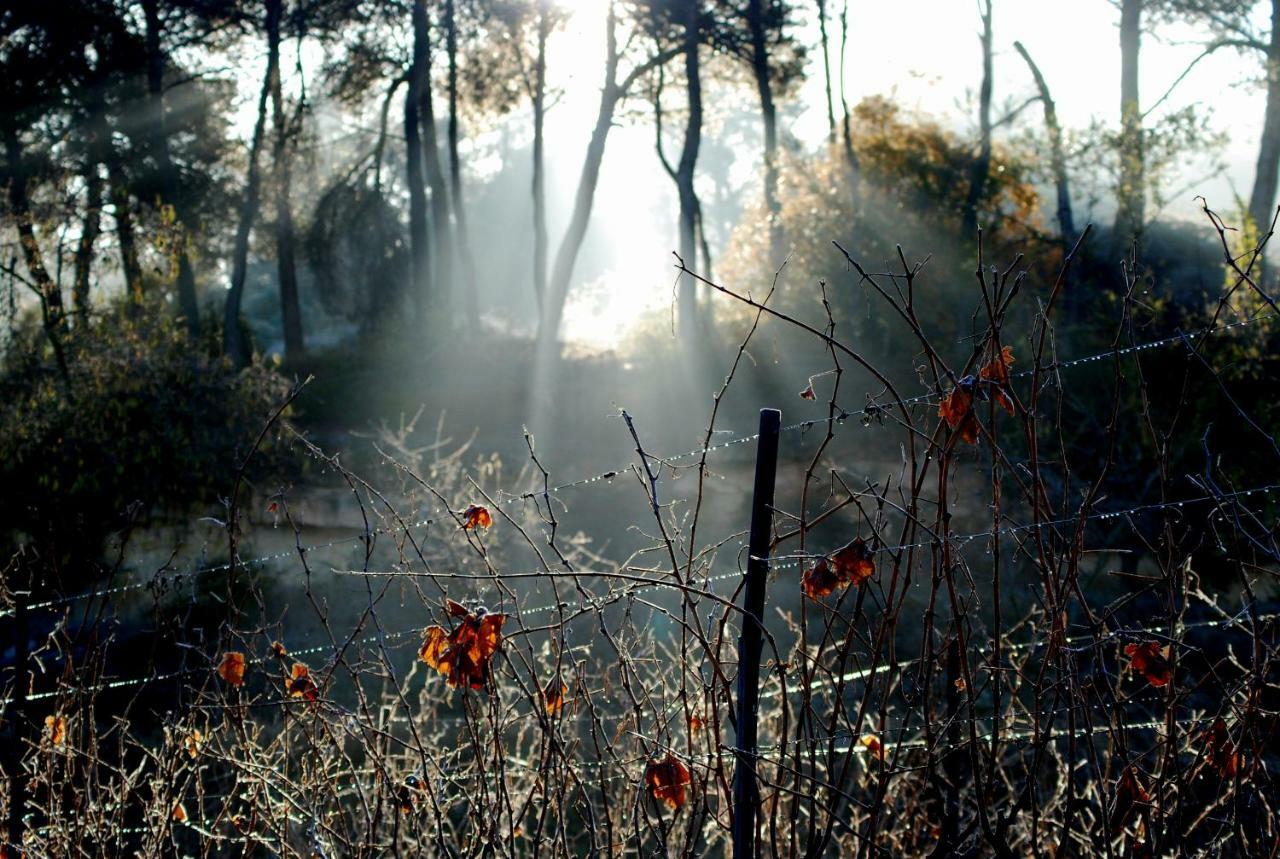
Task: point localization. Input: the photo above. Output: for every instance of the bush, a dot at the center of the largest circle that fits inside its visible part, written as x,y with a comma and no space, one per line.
146,423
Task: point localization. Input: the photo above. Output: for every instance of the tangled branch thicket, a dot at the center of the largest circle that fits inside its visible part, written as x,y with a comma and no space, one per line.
935,690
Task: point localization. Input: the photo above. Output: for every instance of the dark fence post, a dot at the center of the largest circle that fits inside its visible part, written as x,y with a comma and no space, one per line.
746,791
16,720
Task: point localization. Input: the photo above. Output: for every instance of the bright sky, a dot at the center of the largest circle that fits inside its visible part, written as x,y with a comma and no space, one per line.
927,53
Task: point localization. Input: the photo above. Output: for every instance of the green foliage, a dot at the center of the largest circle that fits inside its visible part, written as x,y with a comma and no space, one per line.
151,424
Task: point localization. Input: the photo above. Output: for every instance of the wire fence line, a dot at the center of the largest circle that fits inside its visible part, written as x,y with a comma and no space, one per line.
609,475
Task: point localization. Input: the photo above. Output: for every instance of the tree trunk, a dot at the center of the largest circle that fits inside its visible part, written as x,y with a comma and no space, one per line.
611,93
156,60
286,260
982,165
415,178
1263,198
51,309
123,215
688,296
846,133
539,168
90,228
764,87
826,70
1131,193
440,232
232,338
1066,221
470,300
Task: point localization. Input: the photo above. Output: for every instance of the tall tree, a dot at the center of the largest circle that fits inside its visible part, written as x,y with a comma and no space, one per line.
232,337
415,175
758,25
285,132
157,64
462,237
612,93
441,235
826,70
1131,192
982,164
1057,158
680,24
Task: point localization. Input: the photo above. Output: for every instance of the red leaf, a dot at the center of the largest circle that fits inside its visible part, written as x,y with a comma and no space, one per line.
232,668
667,780
476,516
463,655
300,685
1151,661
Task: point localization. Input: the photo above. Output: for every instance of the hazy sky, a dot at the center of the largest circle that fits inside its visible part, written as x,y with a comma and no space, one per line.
923,52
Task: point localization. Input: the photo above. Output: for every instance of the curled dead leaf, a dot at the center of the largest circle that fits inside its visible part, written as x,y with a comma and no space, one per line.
476,516
956,409
464,655
193,742
232,668
299,683
668,779
553,695
1151,661
57,728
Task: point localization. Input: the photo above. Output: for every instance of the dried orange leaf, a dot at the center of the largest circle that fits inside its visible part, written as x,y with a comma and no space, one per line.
232,668
667,780
1220,751
855,561
179,813
872,744
695,724
998,369
455,609
463,656
554,693
1151,661
57,727
299,683
956,409
193,742
808,393
821,580
278,651
1130,792
476,516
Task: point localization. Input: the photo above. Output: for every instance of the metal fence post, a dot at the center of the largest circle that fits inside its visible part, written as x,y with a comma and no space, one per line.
746,791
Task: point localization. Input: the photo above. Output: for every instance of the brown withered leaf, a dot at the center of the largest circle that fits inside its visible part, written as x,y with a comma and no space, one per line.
998,369
872,744
821,580
278,651
855,562
299,683
410,793
193,742
1151,661
553,694
57,727
852,564
476,516
232,668
1130,792
464,655
696,724
808,393
668,780
1219,751
956,409
179,813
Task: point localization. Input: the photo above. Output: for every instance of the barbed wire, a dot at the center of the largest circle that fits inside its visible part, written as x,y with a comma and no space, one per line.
605,476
